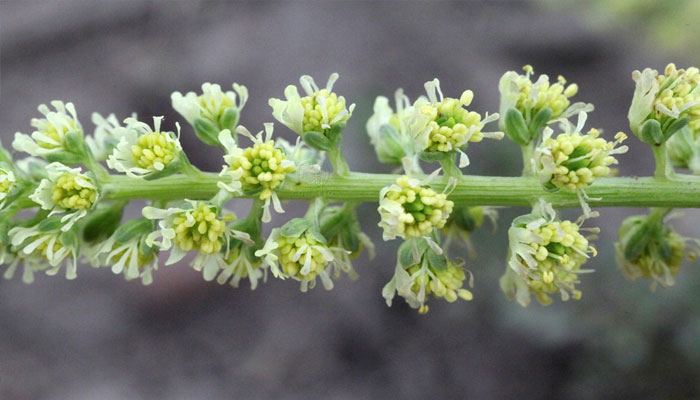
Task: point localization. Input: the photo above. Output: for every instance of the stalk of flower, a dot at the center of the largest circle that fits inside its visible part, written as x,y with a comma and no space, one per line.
212,111
545,257
463,221
143,152
400,134
451,126
648,248
194,226
127,253
66,190
108,132
528,106
261,168
572,160
55,136
411,209
430,274
46,246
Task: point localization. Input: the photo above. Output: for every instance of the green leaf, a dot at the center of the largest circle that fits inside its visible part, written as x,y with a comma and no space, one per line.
295,227
516,128
675,126
636,240
433,156
651,132
228,120
436,261
317,141
173,168
50,224
101,223
133,227
539,121
207,132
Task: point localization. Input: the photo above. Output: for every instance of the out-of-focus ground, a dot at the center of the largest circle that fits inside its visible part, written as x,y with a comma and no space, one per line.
99,337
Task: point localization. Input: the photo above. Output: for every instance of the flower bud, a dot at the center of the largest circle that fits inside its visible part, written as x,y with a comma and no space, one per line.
683,150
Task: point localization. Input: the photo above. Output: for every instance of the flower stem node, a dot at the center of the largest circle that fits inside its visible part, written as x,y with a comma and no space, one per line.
212,111
45,246
573,160
319,111
127,253
66,190
260,169
664,104
546,256
147,153
58,136
529,106
409,209
426,274
450,126
399,134
195,226
683,150
648,248
463,222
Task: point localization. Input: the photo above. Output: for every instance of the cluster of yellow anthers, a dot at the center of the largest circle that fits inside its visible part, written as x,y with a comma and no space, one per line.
440,283
71,192
541,94
301,257
559,257
153,148
451,126
200,229
579,159
679,92
411,210
321,106
262,166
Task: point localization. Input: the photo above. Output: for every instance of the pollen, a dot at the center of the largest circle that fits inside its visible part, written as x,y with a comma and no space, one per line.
73,192
200,229
154,151
320,109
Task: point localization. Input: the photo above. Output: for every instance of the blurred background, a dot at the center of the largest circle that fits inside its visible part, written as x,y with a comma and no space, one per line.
99,337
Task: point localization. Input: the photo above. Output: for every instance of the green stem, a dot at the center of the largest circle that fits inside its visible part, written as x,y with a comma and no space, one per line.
470,190
527,151
663,170
335,156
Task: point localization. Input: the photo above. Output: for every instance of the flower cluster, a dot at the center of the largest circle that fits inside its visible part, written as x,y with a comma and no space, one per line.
212,111
144,152
450,126
61,205
546,256
259,169
318,111
664,104
573,160
421,273
529,106
409,209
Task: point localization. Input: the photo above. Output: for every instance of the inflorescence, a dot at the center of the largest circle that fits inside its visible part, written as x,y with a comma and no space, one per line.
57,208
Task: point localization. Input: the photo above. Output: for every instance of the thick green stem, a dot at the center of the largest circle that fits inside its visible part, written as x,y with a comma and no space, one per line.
470,190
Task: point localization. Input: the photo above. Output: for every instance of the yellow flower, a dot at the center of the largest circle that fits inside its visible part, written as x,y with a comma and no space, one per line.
410,210
546,256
